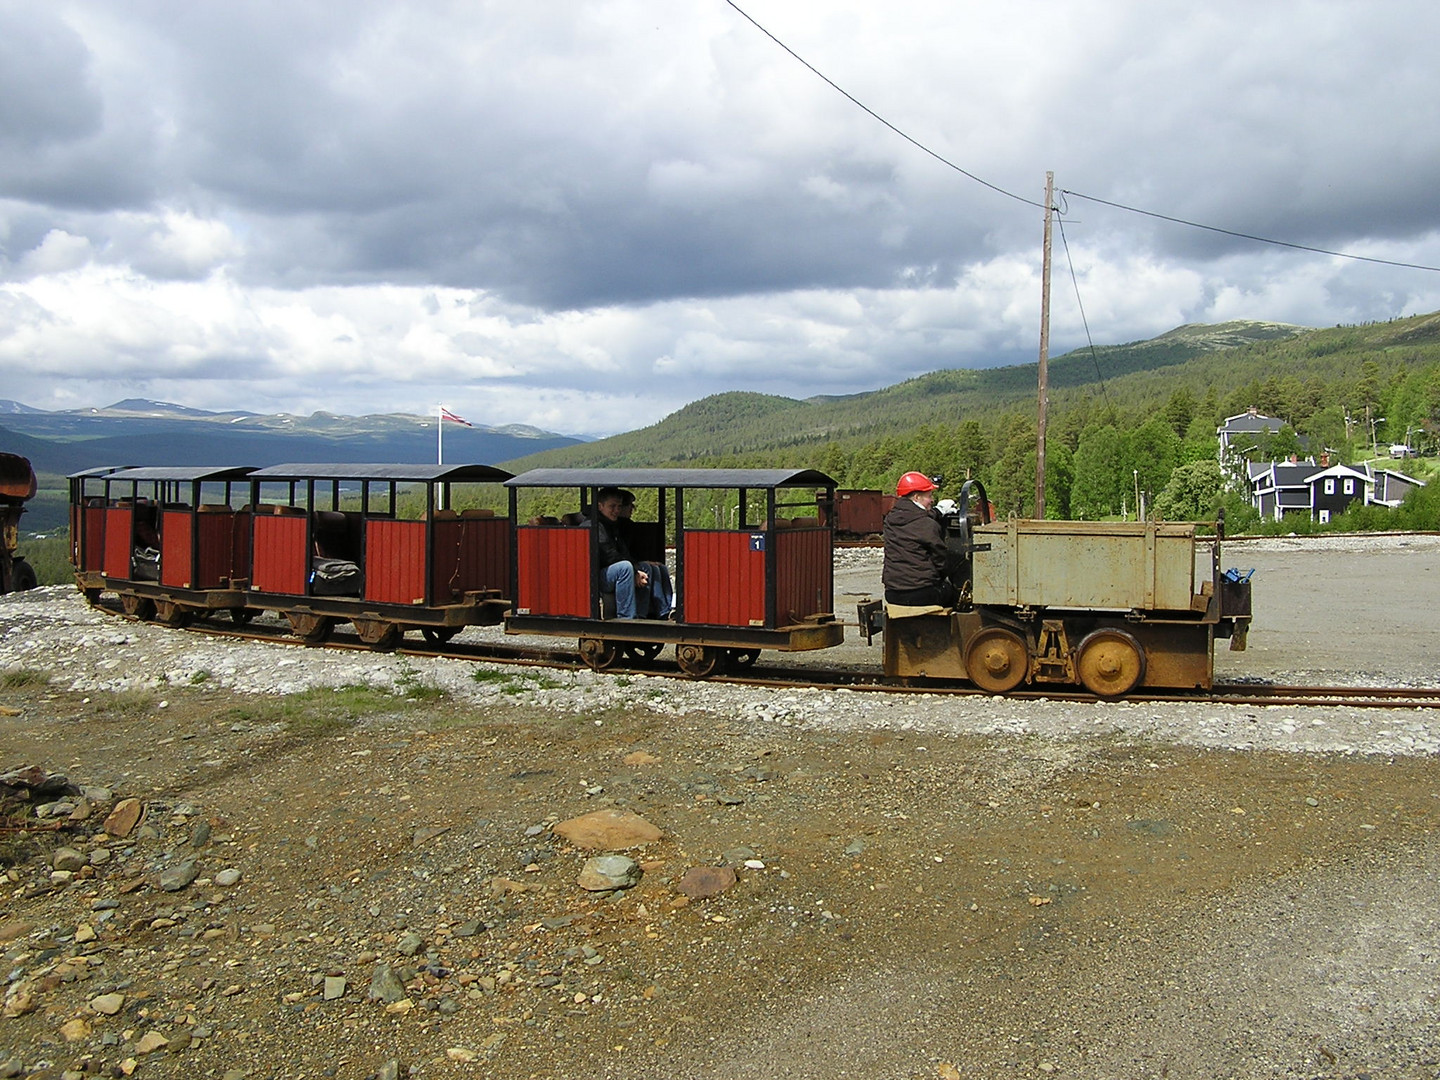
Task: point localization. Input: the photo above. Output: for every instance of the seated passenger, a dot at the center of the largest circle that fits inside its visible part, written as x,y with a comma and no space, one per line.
621,572
914,570
662,592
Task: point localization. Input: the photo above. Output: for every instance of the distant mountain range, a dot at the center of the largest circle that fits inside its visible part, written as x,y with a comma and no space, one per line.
141,432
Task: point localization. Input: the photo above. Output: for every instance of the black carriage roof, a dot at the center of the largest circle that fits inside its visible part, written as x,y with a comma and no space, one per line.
99,470
174,473
672,478
422,474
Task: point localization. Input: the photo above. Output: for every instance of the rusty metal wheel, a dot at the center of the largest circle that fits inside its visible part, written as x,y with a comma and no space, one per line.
172,614
1109,663
598,653
438,635
699,661
241,616
138,607
997,660
380,634
308,627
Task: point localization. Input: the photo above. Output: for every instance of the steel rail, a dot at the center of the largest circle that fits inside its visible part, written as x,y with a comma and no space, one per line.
797,677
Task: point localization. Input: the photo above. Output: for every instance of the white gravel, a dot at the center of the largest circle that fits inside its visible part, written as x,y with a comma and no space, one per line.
86,650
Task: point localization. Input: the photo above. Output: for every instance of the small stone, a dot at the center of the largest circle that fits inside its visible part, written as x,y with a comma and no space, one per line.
227,877
175,878
76,1030
605,872
123,819
335,986
200,834
100,856
67,858
84,933
11,1067
385,985
388,1071
410,944
461,1054
150,1042
703,882
108,1004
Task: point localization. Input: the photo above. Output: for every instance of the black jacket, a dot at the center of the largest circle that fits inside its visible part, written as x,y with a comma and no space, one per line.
613,547
914,548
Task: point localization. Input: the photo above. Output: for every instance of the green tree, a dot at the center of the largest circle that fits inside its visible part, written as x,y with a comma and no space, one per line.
1192,493
1098,467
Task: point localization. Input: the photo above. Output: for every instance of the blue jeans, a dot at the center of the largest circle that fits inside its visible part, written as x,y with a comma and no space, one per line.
621,577
662,593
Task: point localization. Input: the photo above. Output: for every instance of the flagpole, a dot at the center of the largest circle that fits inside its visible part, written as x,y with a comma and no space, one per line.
439,434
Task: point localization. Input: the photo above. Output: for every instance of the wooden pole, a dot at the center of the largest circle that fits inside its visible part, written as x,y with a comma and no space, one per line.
1044,356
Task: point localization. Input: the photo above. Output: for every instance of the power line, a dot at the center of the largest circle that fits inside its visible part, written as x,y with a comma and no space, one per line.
1090,341
1074,194
1249,236
866,108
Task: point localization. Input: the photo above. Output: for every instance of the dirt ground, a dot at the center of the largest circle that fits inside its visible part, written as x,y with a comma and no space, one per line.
905,904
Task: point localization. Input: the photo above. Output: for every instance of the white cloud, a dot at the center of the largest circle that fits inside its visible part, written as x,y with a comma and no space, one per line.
581,215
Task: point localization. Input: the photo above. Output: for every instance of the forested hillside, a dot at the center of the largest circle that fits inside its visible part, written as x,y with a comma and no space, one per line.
1127,419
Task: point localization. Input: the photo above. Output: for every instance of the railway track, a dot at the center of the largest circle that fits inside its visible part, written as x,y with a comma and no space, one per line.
799,677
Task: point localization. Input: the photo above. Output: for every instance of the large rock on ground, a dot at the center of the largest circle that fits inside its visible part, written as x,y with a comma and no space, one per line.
608,830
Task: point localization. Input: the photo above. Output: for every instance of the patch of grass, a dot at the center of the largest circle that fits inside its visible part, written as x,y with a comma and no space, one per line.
201,676
485,675
413,688
318,711
19,678
125,703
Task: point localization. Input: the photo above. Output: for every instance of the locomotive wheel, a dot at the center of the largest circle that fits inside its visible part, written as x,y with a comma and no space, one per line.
310,628
743,659
139,607
438,635
241,616
598,654
699,661
23,576
172,614
1109,663
997,660
643,651
379,634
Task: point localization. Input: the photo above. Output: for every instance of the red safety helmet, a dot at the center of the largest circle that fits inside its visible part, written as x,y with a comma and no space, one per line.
912,482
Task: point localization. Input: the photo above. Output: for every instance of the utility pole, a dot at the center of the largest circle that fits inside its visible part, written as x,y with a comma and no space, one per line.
1044,356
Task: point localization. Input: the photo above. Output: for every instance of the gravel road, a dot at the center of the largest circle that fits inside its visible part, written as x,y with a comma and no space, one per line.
921,886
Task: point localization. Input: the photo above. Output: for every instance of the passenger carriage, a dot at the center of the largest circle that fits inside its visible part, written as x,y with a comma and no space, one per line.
747,576
379,546
331,544
171,541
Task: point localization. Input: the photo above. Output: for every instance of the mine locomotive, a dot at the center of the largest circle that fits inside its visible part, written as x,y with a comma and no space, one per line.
17,486
1112,606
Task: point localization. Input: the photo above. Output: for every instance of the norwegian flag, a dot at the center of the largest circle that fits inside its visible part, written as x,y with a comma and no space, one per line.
446,414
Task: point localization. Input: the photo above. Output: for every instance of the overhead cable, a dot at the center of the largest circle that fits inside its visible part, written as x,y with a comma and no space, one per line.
866,108
1249,236
1075,194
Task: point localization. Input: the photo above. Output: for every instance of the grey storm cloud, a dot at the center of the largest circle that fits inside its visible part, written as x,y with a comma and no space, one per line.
535,202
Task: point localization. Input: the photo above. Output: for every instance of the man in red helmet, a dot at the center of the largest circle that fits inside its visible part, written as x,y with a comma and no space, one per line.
914,573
